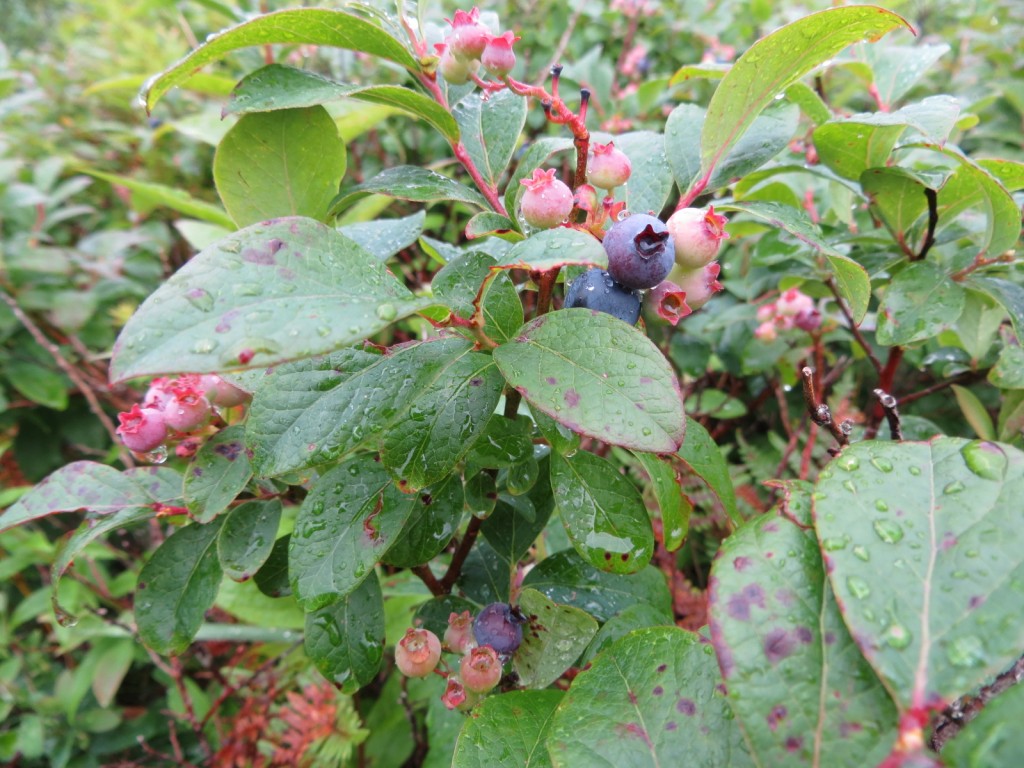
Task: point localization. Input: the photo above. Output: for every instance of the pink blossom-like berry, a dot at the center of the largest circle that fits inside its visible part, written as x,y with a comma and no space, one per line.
454,694
417,654
498,57
221,392
699,284
454,70
766,331
469,36
459,634
607,166
142,429
188,408
792,302
547,202
480,669
807,320
158,394
669,301
697,234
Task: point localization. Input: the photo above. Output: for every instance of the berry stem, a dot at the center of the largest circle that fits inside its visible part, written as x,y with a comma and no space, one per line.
461,553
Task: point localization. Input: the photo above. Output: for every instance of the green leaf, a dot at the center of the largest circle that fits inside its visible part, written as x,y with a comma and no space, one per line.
216,475
778,60
932,615
555,248
346,523
39,383
650,182
501,309
511,530
246,538
284,163
272,578
504,443
434,613
702,456
682,143
852,283
920,302
275,87
895,68
385,238
408,182
795,678
437,513
598,376
1009,294
1008,372
488,223
633,617
486,575
781,216
992,739
177,586
446,419
457,284
315,411
147,196
566,578
647,700
975,413
345,640
850,148
971,186
303,26
673,505
508,731
898,197
490,125
276,291
603,513
535,155
553,639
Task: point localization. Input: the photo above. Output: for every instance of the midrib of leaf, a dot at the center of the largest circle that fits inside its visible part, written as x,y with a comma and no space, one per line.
597,506
539,741
191,575
819,731
327,562
640,716
920,674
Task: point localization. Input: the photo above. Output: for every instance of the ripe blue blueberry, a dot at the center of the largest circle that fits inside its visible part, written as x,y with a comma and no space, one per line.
499,626
640,251
595,289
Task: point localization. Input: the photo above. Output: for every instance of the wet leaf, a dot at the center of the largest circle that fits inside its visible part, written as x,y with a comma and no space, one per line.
490,125
508,731
932,606
218,472
409,182
920,302
673,505
554,248
385,238
702,456
436,514
247,537
553,639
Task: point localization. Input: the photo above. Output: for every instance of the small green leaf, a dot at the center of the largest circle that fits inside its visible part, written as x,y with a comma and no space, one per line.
501,309
1009,294
272,578
971,186
702,456
647,700
778,60
216,475
39,383
673,505
682,143
385,238
853,284
247,537
898,196
850,148
436,515
345,640
177,586
920,302
508,731
284,163
275,291
1008,372
553,639
409,182
486,575
792,220
511,530
490,125
650,182
603,513
975,413
488,223
598,376
555,248
895,68
303,26
147,196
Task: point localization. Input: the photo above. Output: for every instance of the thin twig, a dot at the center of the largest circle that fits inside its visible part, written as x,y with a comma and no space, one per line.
461,553
819,412
933,221
69,370
429,579
892,413
831,283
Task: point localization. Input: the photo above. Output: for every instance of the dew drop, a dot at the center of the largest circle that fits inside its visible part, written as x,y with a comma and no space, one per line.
387,312
954,487
968,651
200,298
858,587
849,463
888,531
204,346
834,544
881,506
882,465
897,636
985,459
861,553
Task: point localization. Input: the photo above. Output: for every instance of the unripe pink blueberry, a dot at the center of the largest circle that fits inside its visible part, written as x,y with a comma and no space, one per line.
766,331
417,654
454,70
697,234
792,302
669,301
699,284
498,57
547,202
187,409
469,36
158,394
221,392
142,429
458,636
607,166
454,696
480,669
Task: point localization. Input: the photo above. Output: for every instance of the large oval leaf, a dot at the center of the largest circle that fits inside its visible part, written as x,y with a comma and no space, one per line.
280,290
924,544
508,731
599,377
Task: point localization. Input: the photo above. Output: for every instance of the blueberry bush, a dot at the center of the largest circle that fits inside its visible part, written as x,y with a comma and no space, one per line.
517,404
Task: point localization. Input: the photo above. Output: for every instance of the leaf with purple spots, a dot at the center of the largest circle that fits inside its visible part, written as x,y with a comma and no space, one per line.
652,698
924,544
553,638
805,695
603,513
218,472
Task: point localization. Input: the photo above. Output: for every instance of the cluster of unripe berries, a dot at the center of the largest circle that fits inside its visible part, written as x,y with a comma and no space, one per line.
471,44
484,644
792,309
175,409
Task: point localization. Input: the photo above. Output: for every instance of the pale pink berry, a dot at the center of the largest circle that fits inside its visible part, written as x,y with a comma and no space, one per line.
221,392
469,36
498,57
480,669
698,234
454,694
807,320
699,284
458,636
547,202
766,312
188,408
766,331
454,70
142,429
792,302
158,394
417,654
607,166
669,301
